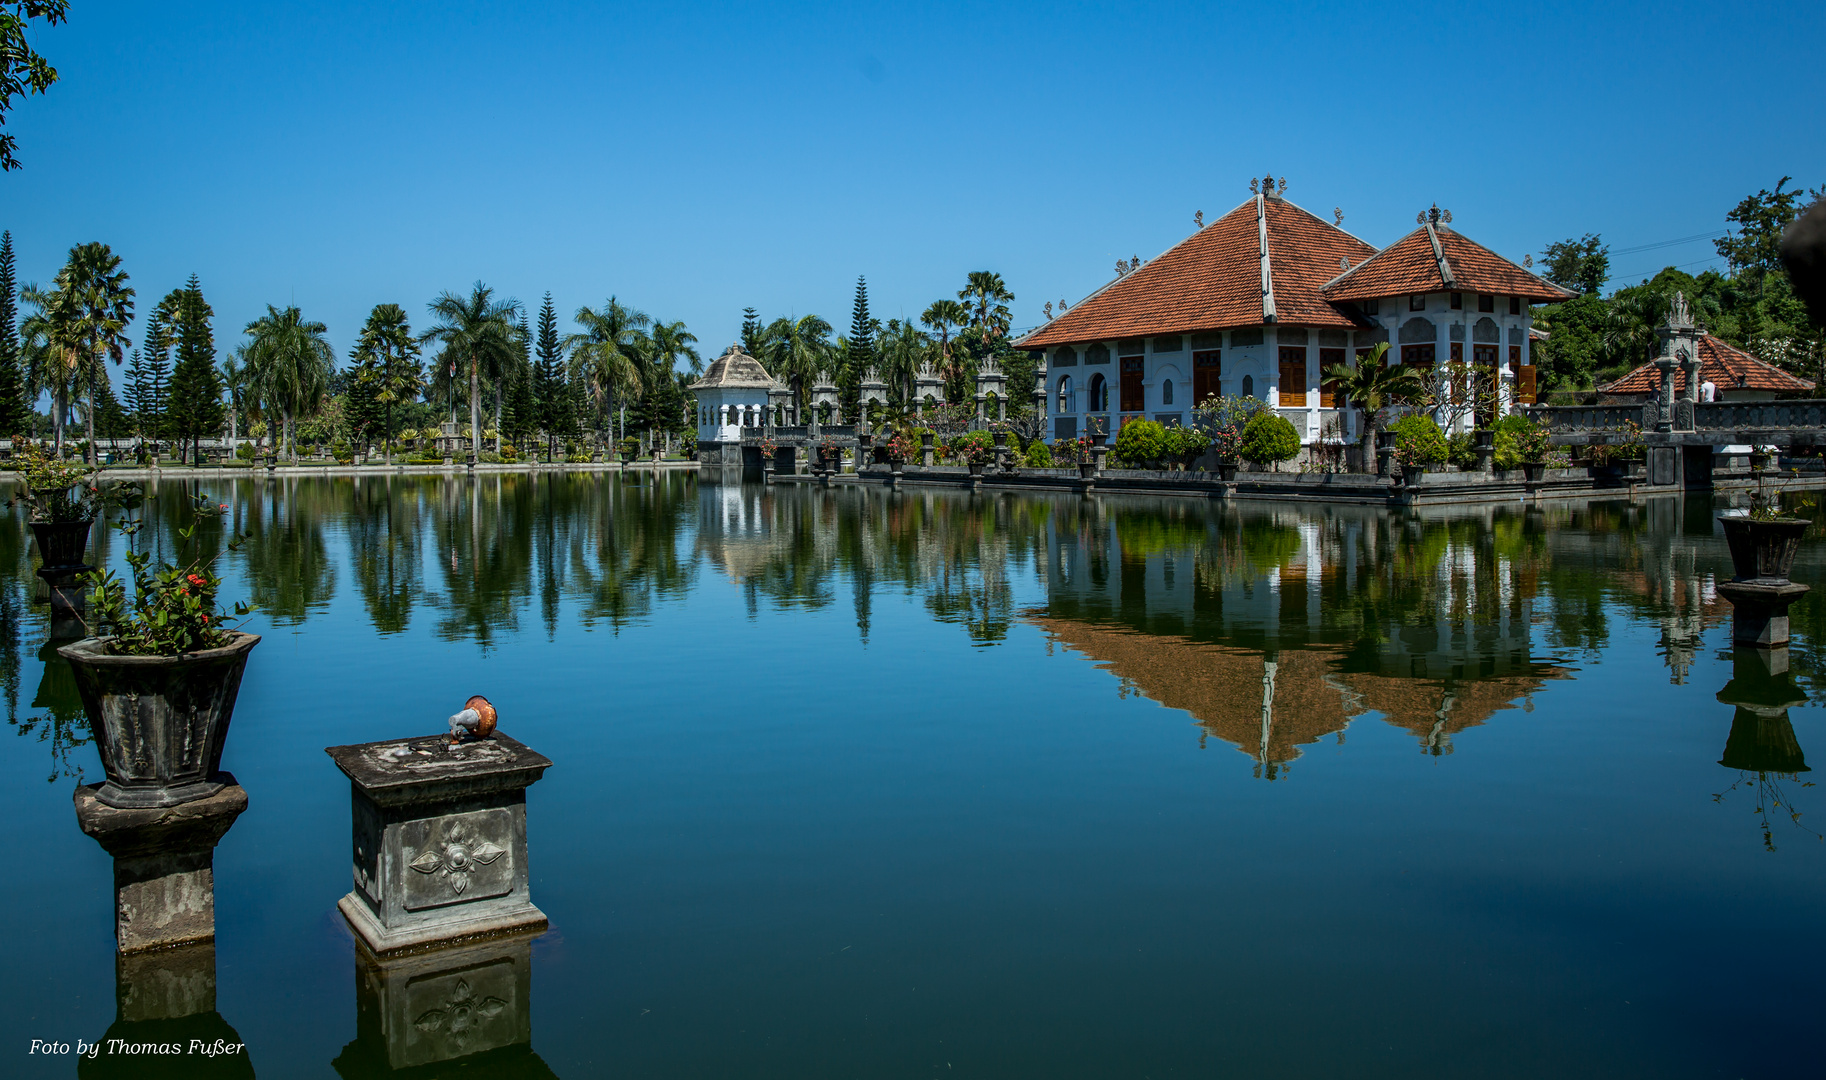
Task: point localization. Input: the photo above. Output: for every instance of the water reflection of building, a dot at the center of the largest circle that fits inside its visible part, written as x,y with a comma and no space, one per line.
1276,633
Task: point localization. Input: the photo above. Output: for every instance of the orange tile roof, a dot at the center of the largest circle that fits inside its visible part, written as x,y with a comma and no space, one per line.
1212,280
1409,266
1720,365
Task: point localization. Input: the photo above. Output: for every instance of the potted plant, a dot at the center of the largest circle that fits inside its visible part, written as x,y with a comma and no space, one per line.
629,447
1419,444
972,451
1765,541
61,502
159,689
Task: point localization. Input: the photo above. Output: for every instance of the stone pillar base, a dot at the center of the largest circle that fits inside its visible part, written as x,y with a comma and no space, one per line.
439,838
164,864
1759,613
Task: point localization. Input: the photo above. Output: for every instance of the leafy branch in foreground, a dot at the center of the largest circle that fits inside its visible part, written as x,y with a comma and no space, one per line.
173,609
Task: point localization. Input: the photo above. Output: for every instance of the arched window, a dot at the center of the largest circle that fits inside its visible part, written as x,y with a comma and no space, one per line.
1065,394
1249,386
1100,394
1166,392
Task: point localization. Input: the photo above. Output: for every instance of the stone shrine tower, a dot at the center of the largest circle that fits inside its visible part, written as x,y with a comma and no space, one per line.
732,395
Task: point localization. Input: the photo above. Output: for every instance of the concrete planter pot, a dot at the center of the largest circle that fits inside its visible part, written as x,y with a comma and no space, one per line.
61,543
160,722
1226,471
1532,471
1763,551
975,467
1087,470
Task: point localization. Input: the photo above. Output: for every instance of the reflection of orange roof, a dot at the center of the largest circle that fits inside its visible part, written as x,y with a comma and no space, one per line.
1213,279
1720,365
1222,686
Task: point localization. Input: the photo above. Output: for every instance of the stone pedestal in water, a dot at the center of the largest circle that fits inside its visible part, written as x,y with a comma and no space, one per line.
164,864
439,840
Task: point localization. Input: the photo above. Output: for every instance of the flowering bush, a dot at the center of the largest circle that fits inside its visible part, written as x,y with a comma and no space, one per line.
903,445
1186,444
55,490
1071,451
1518,439
173,609
973,447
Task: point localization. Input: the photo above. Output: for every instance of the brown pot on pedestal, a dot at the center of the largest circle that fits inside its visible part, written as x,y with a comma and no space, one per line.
61,543
160,722
1763,551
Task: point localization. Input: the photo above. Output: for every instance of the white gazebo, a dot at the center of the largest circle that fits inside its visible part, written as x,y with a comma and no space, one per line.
731,396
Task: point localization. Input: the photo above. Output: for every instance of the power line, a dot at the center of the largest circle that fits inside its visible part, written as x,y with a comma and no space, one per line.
1672,243
1650,273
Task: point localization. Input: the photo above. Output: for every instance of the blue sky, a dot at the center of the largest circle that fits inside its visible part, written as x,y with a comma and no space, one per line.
693,160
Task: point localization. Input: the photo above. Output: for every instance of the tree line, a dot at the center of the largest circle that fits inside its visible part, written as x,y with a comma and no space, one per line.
1751,304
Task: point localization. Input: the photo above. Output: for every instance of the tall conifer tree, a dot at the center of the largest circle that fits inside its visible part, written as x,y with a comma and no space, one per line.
195,410
751,331
15,412
859,351
552,394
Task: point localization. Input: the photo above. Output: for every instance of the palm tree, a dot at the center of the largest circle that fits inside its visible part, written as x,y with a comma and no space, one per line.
387,345
606,356
796,351
289,365
671,342
42,357
1371,387
943,317
902,349
480,331
986,297
234,381
79,324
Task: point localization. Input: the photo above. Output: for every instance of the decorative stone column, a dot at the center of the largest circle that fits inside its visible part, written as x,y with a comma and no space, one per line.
874,396
1485,446
164,864
1664,396
439,840
926,453
927,383
1385,454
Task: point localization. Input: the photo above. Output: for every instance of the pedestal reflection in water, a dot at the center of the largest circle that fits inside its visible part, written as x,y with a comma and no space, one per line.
162,999
1762,740
468,1005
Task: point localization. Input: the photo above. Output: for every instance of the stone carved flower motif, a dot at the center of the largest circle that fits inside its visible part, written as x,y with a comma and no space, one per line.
461,852
459,1018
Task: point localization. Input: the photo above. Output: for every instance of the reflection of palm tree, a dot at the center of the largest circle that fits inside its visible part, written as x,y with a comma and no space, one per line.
384,543
289,571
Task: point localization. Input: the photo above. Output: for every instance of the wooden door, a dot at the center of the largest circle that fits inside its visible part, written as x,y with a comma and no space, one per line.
1328,388
1206,380
1293,376
1134,395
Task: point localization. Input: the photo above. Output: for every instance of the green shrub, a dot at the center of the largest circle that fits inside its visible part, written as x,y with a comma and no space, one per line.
1418,441
1461,450
1187,444
577,459
1141,441
245,451
1518,439
1269,438
488,457
1038,456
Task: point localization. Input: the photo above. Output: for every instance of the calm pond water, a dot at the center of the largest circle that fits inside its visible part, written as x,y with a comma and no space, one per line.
864,784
